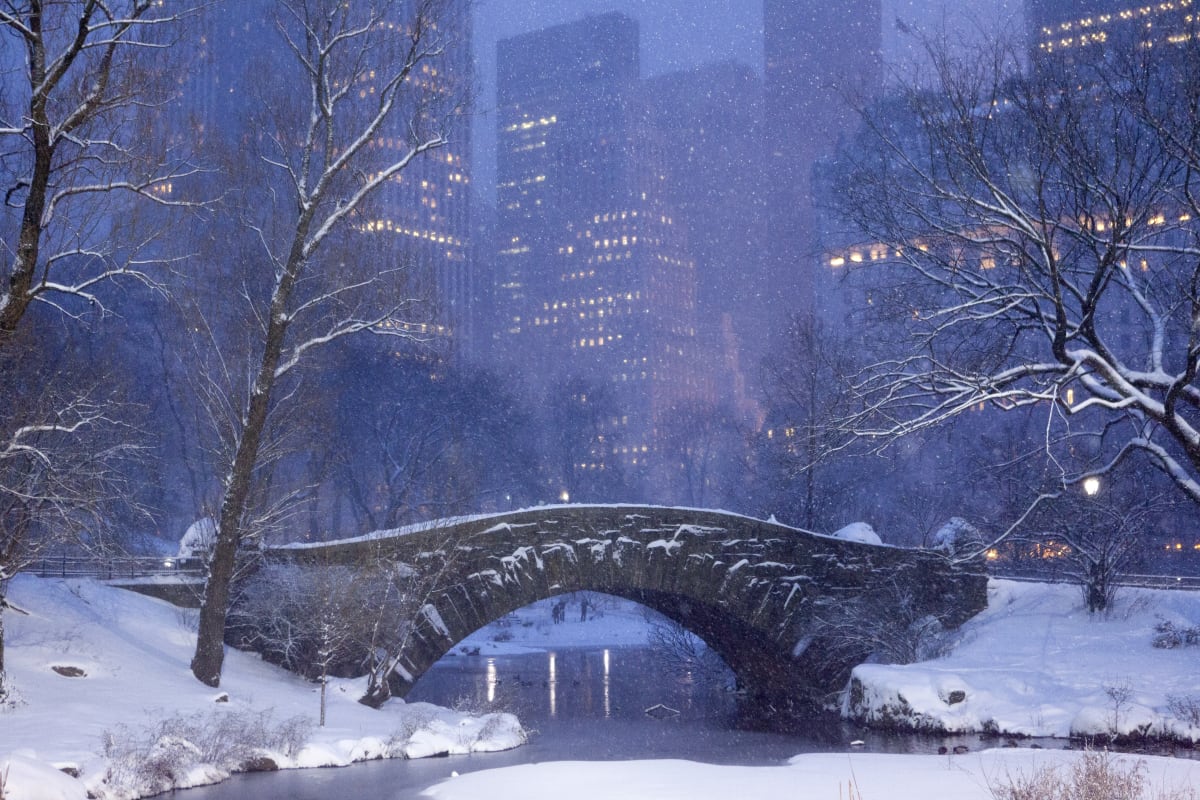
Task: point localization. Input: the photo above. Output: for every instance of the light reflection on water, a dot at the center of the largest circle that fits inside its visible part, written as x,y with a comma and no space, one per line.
574,684
581,704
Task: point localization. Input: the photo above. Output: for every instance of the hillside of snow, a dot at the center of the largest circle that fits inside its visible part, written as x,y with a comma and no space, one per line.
102,688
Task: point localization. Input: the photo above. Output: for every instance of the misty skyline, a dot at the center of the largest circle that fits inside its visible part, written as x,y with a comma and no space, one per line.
681,34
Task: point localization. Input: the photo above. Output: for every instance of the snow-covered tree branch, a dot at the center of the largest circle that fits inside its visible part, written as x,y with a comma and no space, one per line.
1040,250
74,153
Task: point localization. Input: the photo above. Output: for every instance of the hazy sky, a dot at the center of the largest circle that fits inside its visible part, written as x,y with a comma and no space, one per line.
677,34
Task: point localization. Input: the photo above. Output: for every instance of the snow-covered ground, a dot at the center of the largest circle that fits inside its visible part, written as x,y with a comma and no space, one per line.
1036,663
857,776
128,716
1033,663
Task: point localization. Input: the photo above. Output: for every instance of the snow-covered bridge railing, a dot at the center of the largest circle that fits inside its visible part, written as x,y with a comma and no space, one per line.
791,612
115,567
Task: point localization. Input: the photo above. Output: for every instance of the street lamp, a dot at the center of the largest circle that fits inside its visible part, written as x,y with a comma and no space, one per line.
1091,486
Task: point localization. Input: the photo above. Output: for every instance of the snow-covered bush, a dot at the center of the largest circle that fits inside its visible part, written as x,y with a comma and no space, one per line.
197,541
1095,776
1185,708
187,751
1168,635
417,717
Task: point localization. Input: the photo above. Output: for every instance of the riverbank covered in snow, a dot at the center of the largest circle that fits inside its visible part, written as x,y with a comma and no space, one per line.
1036,663
869,776
104,702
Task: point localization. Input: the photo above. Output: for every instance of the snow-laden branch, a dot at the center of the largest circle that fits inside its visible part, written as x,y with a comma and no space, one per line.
1044,262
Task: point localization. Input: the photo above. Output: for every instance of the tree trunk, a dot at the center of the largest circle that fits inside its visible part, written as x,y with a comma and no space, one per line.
324,683
210,638
3,675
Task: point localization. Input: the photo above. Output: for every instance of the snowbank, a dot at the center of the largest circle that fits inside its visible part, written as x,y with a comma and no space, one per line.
102,688
824,775
860,532
1035,663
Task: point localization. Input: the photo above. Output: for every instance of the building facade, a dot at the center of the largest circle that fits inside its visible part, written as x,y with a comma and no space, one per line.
1063,30
595,282
823,57
711,121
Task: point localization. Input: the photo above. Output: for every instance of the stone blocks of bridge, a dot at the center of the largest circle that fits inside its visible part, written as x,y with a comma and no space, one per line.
773,601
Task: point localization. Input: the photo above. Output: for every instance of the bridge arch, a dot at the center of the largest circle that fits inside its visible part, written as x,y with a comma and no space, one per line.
764,596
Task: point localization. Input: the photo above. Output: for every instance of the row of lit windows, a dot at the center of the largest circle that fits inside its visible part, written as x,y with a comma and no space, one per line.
611,300
875,253
380,226
529,124
674,262
624,241
584,315
614,216
1099,37
525,148
596,342
1126,14
1084,40
608,257
881,253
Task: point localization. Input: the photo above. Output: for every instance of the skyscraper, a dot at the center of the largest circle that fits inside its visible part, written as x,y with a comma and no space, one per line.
822,58
595,283
711,120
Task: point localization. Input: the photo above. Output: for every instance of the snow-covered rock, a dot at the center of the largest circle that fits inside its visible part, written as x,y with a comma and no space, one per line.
858,532
27,777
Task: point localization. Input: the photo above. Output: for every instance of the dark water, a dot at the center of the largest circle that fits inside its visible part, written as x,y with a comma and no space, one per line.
580,704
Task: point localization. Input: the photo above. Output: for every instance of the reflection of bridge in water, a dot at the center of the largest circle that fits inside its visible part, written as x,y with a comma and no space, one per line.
774,602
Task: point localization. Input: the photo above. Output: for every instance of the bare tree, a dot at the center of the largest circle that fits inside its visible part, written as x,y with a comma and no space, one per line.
805,378
82,186
703,449
1039,243
309,620
63,466
1103,534
369,112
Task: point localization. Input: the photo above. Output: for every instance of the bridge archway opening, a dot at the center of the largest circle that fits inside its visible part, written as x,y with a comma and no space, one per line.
585,655
594,620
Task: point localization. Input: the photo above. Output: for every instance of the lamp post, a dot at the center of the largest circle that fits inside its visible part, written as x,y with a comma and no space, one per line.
1091,486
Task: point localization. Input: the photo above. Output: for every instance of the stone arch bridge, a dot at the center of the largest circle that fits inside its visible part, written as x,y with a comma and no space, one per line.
790,612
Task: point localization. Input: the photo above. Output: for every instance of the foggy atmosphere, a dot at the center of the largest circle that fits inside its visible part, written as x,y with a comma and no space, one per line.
636,399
